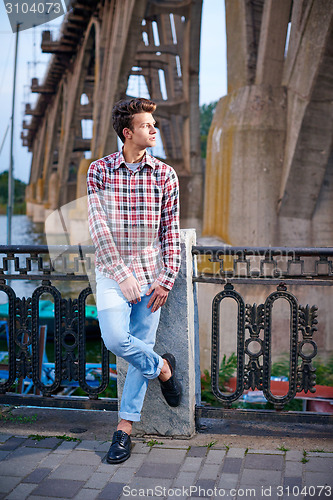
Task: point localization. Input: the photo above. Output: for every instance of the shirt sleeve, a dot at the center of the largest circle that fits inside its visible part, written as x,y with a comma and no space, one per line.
99,227
169,232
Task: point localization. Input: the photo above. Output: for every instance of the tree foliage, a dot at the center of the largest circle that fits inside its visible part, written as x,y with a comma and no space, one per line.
19,193
206,117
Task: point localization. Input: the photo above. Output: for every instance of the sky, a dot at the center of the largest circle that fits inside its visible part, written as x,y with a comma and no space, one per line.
32,63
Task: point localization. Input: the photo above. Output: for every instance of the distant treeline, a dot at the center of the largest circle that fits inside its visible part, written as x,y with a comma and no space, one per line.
19,194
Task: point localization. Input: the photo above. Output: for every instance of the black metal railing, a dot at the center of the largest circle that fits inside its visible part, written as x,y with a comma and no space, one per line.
45,266
282,267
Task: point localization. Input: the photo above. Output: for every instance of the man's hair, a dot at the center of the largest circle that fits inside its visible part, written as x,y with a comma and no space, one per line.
124,110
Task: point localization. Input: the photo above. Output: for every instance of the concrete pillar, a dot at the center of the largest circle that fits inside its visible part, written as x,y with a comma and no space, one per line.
178,334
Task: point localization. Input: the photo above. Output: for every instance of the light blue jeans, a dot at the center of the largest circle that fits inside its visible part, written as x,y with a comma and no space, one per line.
129,331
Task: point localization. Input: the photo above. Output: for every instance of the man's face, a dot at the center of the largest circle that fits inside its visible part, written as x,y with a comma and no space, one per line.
143,133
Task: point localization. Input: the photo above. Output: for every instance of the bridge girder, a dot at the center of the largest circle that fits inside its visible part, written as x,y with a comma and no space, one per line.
101,44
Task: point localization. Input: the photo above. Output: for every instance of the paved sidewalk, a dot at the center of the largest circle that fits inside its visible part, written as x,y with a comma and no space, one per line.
53,467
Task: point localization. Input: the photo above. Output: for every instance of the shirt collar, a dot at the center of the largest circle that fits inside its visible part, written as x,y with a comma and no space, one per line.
146,160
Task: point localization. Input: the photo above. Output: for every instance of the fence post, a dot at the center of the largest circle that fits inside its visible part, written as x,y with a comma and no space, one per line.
178,333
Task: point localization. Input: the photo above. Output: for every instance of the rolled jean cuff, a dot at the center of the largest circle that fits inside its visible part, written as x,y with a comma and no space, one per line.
133,417
160,366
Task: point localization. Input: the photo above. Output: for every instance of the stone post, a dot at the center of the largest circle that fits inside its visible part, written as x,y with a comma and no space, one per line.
178,334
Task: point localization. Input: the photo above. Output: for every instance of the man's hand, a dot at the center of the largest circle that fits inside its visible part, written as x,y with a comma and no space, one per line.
159,297
131,289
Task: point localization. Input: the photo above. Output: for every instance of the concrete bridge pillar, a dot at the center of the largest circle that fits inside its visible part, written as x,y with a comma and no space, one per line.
268,166
38,207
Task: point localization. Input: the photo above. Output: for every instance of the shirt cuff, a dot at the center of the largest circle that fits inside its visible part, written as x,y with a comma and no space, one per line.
167,278
121,272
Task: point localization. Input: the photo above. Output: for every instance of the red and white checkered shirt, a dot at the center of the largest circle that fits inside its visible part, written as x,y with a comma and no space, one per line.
134,219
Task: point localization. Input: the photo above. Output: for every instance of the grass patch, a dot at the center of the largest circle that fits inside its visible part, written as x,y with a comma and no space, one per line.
17,419
152,443
304,459
211,444
64,437
283,448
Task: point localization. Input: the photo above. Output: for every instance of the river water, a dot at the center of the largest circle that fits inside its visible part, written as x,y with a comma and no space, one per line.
26,232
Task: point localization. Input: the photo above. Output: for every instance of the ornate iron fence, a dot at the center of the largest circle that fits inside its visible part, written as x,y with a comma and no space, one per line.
230,266
46,265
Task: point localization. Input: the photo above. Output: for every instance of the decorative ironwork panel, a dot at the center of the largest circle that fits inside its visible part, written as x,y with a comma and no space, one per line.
281,293
256,372
228,292
25,349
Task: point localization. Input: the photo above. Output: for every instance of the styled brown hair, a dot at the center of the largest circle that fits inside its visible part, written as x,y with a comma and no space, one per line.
123,111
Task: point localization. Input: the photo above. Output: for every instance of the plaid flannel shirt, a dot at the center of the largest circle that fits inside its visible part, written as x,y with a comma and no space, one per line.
134,219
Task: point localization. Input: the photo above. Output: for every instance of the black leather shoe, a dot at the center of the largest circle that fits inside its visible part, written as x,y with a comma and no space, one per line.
120,449
171,389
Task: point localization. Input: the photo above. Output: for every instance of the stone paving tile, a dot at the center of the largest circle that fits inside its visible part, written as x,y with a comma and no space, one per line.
197,451
260,477
21,466
166,456
21,491
236,453
83,458
267,462
65,488
294,455
203,485
87,494
49,442
4,437
41,497
191,464
320,464
228,481
184,479
106,468
293,481
209,471
52,460
37,475
265,452
12,443
293,469
66,447
70,471
89,445
172,443
4,454
318,479
135,460
146,483
104,446
140,448
232,465
124,475
97,480
112,491
7,483
158,470
24,452
257,492
319,454
215,456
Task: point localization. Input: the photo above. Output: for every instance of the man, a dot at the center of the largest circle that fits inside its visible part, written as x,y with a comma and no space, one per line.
133,204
